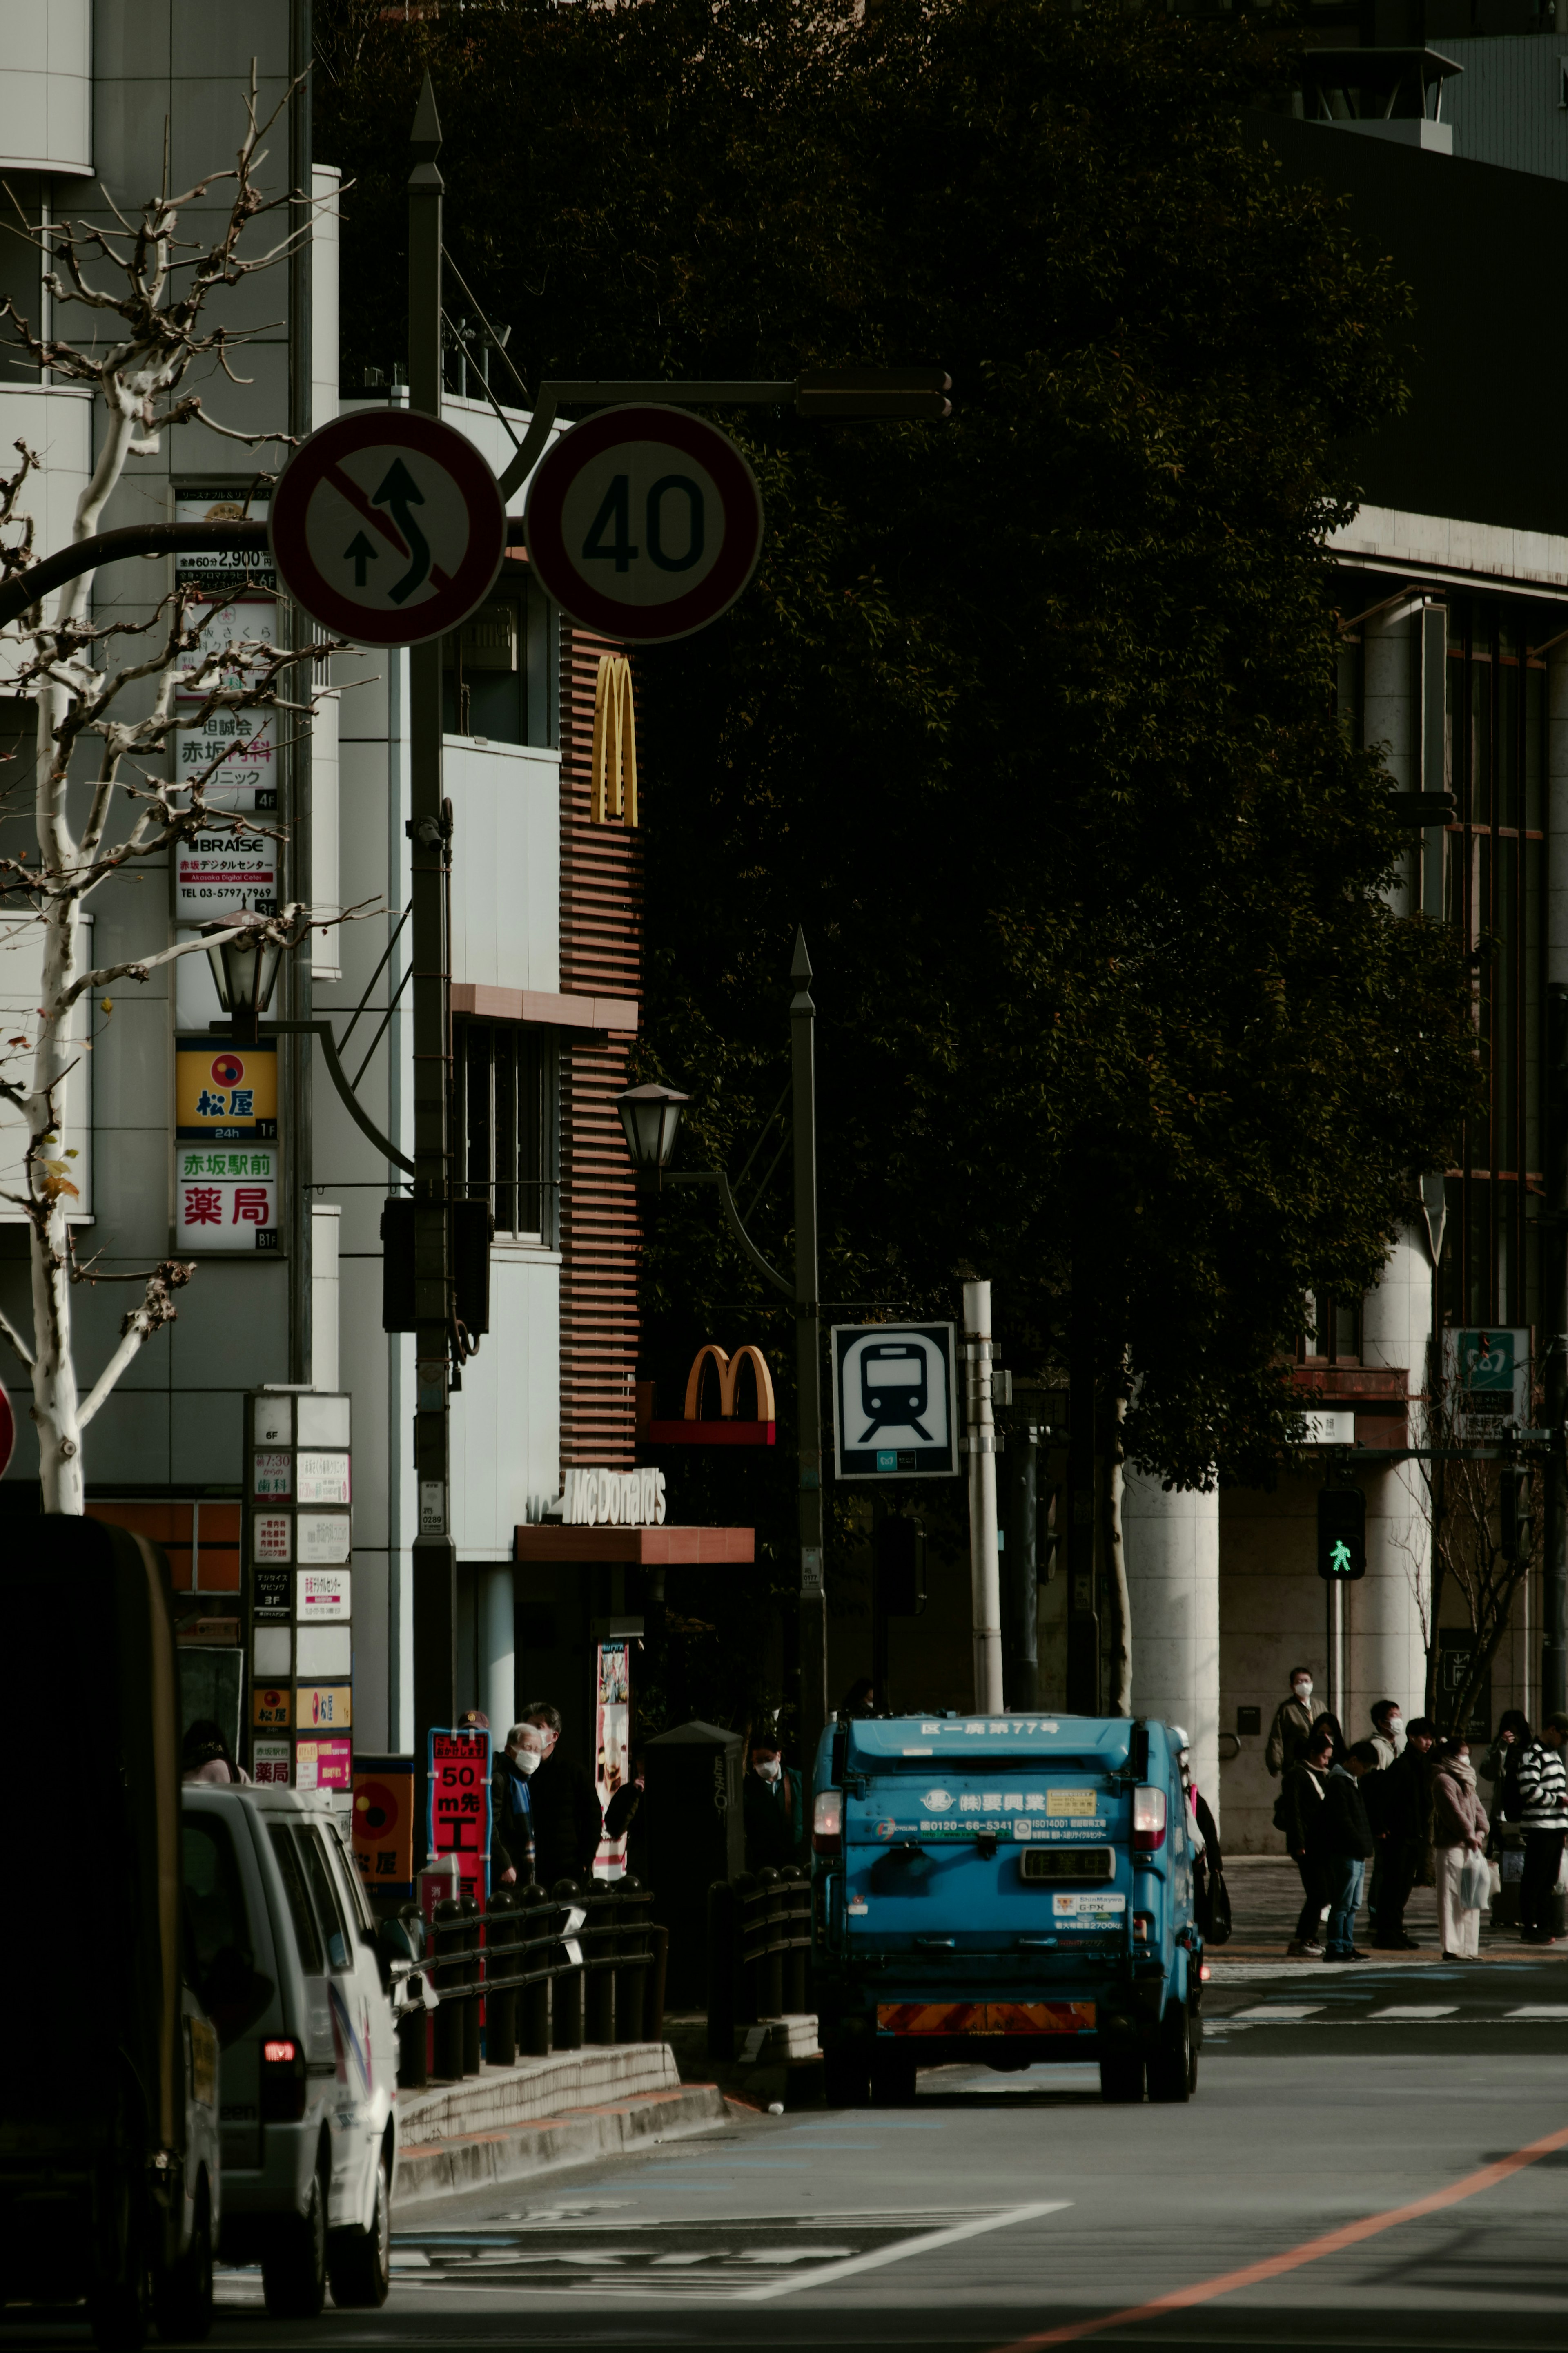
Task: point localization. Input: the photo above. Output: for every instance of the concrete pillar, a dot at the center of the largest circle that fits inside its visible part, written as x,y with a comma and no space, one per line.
1173,1574
497,1651
1387,1612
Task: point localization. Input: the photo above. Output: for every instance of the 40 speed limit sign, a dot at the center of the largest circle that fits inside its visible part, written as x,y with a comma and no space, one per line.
644,523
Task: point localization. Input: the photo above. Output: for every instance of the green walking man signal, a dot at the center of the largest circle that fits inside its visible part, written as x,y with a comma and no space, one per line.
1341,1534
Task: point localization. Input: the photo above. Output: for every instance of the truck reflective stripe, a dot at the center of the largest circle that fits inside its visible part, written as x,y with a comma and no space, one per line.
986,2017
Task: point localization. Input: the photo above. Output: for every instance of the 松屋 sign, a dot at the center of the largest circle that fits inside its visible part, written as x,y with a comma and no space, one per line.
615,1499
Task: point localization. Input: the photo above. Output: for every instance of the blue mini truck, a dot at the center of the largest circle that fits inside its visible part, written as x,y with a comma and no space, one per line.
1004,1890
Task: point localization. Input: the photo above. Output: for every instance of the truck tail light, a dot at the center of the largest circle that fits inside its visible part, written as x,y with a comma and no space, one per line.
282,2080
827,1822
1148,1820
1142,1928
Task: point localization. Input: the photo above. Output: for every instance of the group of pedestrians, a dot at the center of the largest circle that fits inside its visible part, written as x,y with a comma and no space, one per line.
1406,1801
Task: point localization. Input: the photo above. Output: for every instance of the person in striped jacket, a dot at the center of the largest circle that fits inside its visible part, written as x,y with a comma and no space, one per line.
1543,1792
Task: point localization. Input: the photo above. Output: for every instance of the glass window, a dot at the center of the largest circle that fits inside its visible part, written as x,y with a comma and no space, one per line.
215,1896
509,1078
329,1914
300,1910
498,669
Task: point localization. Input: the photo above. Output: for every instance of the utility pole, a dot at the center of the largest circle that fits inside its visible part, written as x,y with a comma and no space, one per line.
1555,1317
808,1358
985,1582
435,1565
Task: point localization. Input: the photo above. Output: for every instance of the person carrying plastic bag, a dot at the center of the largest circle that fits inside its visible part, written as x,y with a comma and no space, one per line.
1458,1842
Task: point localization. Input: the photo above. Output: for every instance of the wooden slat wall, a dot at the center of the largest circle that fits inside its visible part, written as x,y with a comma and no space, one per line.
601,956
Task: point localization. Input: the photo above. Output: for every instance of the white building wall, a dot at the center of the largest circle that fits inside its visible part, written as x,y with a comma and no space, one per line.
1385,1631
1172,1544
45,86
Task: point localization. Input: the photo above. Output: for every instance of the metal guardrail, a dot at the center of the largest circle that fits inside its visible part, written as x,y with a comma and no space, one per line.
758,1951
535,1970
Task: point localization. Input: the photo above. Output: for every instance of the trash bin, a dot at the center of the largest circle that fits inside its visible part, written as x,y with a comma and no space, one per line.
692,1805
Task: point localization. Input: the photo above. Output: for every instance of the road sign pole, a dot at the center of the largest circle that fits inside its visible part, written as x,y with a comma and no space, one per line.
809,1359
1554,1554
985,1573
434,1564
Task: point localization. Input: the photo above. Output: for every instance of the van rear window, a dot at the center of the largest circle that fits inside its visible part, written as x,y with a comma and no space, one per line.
300,1910
215,1900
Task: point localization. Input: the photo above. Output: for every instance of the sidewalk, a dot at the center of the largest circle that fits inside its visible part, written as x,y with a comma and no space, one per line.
567,2109
1266,1899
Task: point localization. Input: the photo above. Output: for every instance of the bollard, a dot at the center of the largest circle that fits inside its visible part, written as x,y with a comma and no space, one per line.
447,2062
723,1937
631,1978
566,1987
600,1944
533,2013
768,1914
469,2005
797,1959
413,2025
741,1960
503,1927
653,1986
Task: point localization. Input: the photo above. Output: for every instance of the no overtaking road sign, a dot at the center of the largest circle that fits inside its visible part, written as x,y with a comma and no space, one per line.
644,523
387,527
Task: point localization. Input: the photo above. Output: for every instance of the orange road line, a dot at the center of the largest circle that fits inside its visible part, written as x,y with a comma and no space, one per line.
1311,2250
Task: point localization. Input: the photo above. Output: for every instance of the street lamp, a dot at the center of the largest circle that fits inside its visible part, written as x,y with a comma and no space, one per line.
244,958
650,1117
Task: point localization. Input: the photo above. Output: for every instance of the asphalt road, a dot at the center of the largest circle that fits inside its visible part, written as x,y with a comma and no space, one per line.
1015,2212
1006,2211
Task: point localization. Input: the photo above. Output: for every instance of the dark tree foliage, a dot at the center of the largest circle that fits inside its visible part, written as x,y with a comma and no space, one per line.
1028,719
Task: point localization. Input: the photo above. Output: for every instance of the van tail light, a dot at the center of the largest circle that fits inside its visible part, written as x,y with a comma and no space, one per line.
827,1822
1142,1928
1204,1973
1148,1820
282,2080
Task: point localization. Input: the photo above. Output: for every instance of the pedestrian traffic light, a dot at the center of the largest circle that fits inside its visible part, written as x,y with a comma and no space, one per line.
1341,1534
1518,1511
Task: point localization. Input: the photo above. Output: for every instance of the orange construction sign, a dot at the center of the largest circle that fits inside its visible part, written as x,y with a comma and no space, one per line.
986,2017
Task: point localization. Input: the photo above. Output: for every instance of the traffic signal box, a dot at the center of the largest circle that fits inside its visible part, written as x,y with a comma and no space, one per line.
1517,1511
1341,1534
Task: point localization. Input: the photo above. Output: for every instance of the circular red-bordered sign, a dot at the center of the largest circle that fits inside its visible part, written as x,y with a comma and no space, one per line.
387,528
643,523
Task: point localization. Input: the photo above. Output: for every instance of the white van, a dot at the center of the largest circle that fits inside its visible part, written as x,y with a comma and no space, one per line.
289,1968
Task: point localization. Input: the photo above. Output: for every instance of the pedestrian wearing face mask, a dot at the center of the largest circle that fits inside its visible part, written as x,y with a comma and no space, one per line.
568,1820
1387,1732
773,1810
1459,1830
513,1851
1403,1821
1292,1723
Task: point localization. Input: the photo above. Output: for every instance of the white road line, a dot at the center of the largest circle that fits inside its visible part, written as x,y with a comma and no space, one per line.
1417,2010
926,2244
1541,2009
1277,2012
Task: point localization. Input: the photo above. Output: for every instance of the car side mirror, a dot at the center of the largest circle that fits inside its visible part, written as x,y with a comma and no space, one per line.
395,1945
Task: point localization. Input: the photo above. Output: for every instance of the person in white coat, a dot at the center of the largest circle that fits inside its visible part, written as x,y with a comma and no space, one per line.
1459,1831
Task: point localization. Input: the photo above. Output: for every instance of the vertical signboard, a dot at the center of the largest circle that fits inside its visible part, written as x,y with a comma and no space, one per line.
457,1779
225,1144
383,1824
612,1745
234,751
299,1536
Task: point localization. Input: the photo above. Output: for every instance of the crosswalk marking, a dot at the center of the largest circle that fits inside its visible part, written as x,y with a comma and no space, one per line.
1417,2010
1279,2010
1541,2009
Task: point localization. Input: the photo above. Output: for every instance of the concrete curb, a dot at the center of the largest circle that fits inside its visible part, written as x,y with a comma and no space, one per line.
469,2160
532,2088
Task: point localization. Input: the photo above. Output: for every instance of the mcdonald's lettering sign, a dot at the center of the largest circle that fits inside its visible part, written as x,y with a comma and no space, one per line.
615,1499
729,1429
